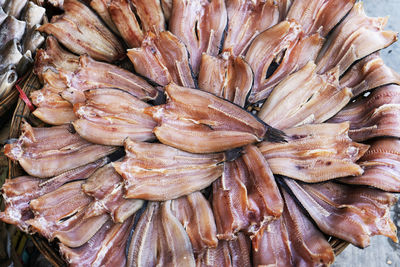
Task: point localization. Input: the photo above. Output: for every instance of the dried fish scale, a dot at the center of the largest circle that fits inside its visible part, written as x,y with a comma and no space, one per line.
196,136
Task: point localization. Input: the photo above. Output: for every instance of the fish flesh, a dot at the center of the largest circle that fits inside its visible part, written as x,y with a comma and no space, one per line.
199,122
101,8
230,78
200,24
163,59
158,172
110,116
82,32
315,153
47,152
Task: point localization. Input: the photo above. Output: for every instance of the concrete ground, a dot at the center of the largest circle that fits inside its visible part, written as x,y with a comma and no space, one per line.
382,251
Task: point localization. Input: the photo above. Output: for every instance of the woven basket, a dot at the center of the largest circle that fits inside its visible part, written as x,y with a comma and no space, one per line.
50,250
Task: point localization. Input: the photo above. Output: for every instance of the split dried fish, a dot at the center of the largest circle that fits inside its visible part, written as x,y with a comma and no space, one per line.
200,24
101,8
81,31
47,152
158,172
199,122
315,153
162,58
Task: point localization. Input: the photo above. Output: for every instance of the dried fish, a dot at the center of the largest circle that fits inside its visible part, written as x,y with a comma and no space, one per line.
14,7
284,47
246,20
33,14
157,172
3,15
381,165
92,74
356,37
105,248
159,238
315,153
200,24
230,78
33,39
24,63
246,198
106,187
11,29
162,58
369,73
308,97
101,7
233,253
374,116
81,31
353,214
47,152
8,77
199,122
166,6
10,54
18,192
195,214
109,116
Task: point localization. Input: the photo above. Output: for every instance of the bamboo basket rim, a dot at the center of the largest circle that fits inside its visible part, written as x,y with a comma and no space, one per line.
49,250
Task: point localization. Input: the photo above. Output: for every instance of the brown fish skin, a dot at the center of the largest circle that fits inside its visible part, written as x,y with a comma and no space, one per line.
105,248
162,58
82,32
200,24
308,97
106,187
47,152
159,238
381,164
233,253
18,192
246,198
267,49
92,74
199,122
230,78
319,15
370,73
373,116
246,20
349,213
109,116
315,153
347,43
195,214
158,172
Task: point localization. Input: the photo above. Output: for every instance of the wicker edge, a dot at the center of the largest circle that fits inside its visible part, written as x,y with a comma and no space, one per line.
46,248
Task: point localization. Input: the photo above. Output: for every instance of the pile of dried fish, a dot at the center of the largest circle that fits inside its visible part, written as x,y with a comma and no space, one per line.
252,131
19,39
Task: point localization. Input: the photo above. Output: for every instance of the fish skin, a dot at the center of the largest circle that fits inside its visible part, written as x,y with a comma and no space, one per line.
33,14
8,78
10,54
3,15
33,39
14,7
25,63
10,29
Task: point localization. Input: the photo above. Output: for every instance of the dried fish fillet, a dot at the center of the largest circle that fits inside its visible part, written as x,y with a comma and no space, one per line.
356,37
381,165
157,172
293,240
370,73
18,192
308,97
81,31
233,253
353,214
195,214
92,74
106,187
230,78
246,20
199,122
246,198
47,152
376,115
105,248
284,47
159,239
200,24
101,7
109,116
315,153
162,58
